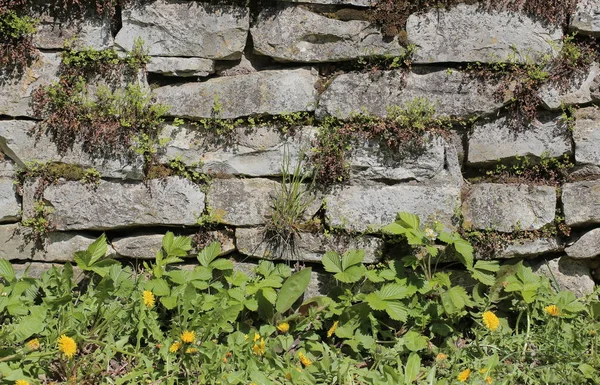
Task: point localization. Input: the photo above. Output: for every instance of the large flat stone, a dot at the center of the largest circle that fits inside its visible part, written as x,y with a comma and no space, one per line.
181,66
586,247
451,92
581,88
358,3
7,166
527,248
361,208
169,202
295,33
468,33
586,135
508,208
581,203
89,32
265,92
9,204
15,90
186,29
570,275
586,20
494,140
20,145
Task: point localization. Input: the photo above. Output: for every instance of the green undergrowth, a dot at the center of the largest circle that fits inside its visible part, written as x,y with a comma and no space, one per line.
16,48
402,321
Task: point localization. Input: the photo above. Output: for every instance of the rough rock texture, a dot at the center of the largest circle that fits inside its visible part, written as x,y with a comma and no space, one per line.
508,207
9,205
15,89
296,34
7,167
571,275
583,88
588,246
451,92
22,147
581,203
586,20
16,243
92,32
494,140
173,201
358,3
266,92
468,33
308,247
252,151
586,135
181,66
187,28
360,208
528,248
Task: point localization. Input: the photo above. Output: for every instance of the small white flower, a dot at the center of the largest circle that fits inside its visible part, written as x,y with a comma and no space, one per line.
430,234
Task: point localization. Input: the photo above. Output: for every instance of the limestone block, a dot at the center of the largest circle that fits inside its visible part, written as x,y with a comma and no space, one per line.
527,248
361,208
451,92
586,247
586,20
266,92
181,66
296,34
581,203
468,33
586,135
7,166
582,88
357,3
90,32
570,274
508,208
494,140
9,205
188,29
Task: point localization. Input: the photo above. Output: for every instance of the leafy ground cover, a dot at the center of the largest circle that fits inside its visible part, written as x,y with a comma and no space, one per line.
406,320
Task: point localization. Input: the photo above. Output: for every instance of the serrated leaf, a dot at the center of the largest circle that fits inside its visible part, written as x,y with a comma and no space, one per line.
332,262
179,277
415,341
209,253
352,274
373,276
394,291
393,229
465,252
97,249
375,302
455,299
169,302
269,294
222,264
176,246
408,220
396,310
292,289
351,258
7,271
159,287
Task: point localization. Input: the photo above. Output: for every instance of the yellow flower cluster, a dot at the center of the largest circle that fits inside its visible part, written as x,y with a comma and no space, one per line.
175,346
188,337
464,375
33,344
304,360
552,310
67,345
332,328
21,382
148,299
491,321
283,327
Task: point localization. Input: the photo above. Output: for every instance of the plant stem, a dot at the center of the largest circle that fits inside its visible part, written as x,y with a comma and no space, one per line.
527,333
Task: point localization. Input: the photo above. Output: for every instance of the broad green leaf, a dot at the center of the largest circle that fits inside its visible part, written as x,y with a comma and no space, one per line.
352,274
7,271
375,301
97,249
589,372
351,258
393,229
455,299
159,287
483,271
465,252
408,220
373,276
29,325
209,253
415,341
332,262
169,302
412,369
179,277
222,264
292,289
176,246
269,294
396,310
395,291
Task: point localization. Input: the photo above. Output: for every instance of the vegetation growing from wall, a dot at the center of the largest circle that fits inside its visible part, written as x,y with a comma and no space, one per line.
16,49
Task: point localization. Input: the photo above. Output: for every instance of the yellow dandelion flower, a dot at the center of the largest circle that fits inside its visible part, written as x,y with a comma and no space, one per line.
33,344
148,299
304,360
175,346
256,337
332,328
441,357
188,337
491,321
283,327
489,380
552,310
464,375
259,348
21,382
483,371
191,350
67,345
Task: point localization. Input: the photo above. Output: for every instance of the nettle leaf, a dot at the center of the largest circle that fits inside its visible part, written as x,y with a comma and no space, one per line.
351,258
332,262
292,289
209,253
408,220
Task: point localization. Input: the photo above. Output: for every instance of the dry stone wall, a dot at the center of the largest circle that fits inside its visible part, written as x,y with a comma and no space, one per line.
294,66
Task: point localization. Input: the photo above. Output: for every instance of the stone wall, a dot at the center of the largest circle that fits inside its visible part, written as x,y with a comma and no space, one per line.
297,56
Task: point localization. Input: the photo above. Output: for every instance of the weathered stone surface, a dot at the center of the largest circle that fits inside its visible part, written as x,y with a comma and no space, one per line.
360,208
586,20
581,203
16,244
188,28
358,3
266,92
37,269
7,167
582,89
91,32
451,92
494,140
570,275
22,147
9,205
252,151
586,135
181,66
527,248
508,208
308,247
586,247
469,33
15,90
173,201
296,34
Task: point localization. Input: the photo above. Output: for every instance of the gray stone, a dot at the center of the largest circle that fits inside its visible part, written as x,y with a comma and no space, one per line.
308,247
358,3
527,248
451,92
586,135
496,140
570,275
581,89
7,167
296,34
37,269
251,151
91,32
15,90
181,66
469,33
186,29
586,20
508,208
586,247
361,208
170,202
19,143
581,203
9,205
265,92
